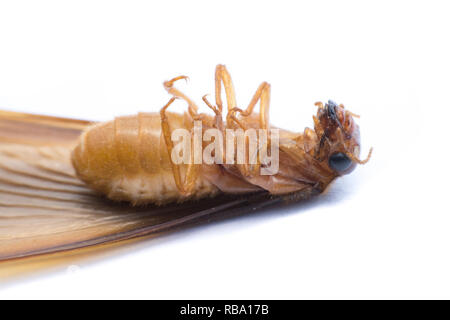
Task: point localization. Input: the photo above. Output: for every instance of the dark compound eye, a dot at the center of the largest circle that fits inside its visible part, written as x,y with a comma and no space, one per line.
339,162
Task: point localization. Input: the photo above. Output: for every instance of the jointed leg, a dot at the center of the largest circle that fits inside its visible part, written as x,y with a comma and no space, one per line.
185,187
222,76
218,114
168,85
262,94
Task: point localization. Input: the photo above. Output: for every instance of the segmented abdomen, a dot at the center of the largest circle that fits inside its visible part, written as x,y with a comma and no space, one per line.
127,159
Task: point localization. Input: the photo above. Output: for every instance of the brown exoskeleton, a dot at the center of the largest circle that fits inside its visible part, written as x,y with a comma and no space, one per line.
47,209
129,158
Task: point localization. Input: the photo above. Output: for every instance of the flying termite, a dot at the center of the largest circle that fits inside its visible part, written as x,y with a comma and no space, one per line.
67,184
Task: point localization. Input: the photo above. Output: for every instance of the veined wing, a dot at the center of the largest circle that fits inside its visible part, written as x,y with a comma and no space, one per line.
44,208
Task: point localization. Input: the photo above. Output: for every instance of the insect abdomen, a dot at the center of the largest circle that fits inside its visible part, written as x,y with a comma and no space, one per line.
127,159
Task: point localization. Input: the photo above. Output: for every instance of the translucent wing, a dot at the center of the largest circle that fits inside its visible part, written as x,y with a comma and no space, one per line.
44,208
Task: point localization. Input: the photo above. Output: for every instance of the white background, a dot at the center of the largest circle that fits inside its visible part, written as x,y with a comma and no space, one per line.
381,232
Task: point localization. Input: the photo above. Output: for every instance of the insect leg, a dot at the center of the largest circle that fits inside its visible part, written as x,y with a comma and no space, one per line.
222,76
218,122
262,95
168,85
185,187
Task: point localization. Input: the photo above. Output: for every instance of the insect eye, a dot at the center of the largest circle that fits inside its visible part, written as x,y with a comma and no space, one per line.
339,162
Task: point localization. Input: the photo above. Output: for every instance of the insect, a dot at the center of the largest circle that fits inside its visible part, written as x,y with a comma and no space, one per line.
45,207
130,158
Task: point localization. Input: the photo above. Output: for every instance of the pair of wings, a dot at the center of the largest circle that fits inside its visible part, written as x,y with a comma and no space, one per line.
44,208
